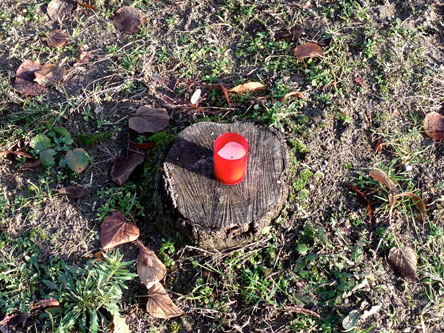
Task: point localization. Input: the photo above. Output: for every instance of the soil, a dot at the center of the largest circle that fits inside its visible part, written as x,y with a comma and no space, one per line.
402,80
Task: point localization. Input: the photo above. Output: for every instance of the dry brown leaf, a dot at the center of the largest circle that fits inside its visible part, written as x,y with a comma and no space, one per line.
160,305
364,197
115,230
73,192
128,20
124,165
226,94
31,165
404,260
59,9
308,50
149,268
290,35
24,80
98,256
149,120
57,38
249,86
49,74
420,204
434,126
83,59
382,178
377,147
293,94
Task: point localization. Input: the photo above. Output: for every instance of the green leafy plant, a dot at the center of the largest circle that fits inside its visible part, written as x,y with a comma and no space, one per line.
59,140
88,296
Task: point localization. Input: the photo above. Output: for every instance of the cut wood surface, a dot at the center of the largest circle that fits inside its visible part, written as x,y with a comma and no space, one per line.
216,215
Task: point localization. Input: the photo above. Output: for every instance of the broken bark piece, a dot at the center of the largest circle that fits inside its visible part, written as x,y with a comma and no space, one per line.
211,214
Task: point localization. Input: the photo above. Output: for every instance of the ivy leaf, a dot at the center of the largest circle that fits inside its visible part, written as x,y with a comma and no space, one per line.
77,159
40,143
47,157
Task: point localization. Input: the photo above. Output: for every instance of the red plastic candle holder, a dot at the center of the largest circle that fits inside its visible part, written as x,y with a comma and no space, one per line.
230,168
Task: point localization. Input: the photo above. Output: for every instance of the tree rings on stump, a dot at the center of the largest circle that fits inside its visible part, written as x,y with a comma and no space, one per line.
212,214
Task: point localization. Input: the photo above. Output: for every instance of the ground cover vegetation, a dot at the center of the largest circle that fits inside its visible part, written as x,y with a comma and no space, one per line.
93,93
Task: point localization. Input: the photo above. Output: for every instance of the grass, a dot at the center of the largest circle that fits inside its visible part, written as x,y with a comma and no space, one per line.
321,253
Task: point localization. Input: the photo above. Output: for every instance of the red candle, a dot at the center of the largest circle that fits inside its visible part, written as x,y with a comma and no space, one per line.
230,158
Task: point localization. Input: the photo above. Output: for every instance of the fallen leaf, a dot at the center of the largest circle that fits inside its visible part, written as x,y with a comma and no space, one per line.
295,94
434,126
124,165
382,178
363,196
73,192
420,204
249,86
149,268
98,256
57,38
160,305
85,5
290,35
58,9
120,325
49,74
226,94
24,79
196,97
308,50
31,165
77,159
149,120
128,20
83,59
404,260
377,148
115,230
18,152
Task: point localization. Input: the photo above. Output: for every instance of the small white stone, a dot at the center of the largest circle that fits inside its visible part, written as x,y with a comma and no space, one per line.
408,167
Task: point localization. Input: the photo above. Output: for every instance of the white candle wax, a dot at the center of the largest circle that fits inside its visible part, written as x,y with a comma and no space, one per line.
232,151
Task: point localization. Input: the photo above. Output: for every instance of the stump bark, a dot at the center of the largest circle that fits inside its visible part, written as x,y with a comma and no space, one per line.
212,214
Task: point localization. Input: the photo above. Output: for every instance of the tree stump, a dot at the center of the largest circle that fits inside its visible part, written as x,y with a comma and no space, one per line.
212,214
